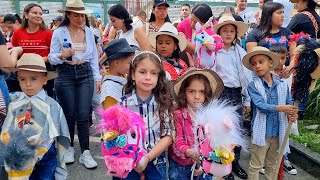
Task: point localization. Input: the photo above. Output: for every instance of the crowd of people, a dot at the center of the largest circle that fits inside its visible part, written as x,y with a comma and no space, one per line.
54,78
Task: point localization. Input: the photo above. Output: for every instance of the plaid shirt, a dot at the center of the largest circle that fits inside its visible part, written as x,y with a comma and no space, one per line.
148,110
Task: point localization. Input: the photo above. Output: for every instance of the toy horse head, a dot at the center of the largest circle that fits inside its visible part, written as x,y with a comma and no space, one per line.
218,132
122,146
20,150
207,44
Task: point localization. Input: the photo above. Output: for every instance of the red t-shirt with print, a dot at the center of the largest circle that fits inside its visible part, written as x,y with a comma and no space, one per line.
38,42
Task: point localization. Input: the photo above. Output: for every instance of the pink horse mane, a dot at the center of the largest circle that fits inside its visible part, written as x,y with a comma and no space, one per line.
120,119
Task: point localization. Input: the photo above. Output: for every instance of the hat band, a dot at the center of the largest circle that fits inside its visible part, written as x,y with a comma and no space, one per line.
35,67
75,9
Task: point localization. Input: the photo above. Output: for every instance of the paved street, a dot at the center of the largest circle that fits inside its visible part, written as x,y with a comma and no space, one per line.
78,172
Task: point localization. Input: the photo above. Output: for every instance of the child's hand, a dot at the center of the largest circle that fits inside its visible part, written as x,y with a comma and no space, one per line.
293,117
142,164
289,109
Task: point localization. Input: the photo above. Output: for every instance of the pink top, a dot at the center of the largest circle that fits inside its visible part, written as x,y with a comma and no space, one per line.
184,137
185,27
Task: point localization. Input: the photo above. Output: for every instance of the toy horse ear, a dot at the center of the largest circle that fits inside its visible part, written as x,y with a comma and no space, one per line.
34,140
198,26
208,129
5,137
227,124
209,22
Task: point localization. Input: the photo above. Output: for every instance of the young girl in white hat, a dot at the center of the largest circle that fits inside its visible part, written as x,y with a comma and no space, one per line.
168,43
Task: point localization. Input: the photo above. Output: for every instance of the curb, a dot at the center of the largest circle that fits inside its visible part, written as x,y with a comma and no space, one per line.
305,158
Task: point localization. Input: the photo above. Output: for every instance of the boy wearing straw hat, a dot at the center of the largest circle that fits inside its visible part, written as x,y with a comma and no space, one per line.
33,108
272,108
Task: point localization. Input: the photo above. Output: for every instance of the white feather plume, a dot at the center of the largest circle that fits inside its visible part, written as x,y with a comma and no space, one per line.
222,124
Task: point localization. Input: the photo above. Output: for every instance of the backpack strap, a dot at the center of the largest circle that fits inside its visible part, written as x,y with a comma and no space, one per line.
314,21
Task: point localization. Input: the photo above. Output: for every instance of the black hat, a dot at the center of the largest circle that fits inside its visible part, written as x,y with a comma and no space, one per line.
117,49
160,2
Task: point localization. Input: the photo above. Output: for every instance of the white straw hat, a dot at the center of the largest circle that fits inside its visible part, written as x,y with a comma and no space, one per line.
242,27
76,6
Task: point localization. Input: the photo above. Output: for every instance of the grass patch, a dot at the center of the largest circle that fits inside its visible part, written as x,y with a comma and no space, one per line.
309,138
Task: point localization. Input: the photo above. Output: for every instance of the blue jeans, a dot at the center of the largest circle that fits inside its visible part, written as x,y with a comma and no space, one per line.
45,168
4,89
181,172
152,172
302,106
74,90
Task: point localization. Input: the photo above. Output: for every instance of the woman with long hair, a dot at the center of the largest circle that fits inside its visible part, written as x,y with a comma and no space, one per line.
158,17
270,30
34,37
121,22
73,50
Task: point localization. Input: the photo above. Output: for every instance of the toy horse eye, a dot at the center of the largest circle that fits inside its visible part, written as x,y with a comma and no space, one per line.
133,134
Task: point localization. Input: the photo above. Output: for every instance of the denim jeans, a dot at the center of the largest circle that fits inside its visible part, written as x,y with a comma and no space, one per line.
45,168
4,89
74,90
152,171
181,172
302,106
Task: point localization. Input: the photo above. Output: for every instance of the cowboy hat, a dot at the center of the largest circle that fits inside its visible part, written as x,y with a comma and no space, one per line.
216,82
117,49
242,27
168,29
32,62
76,6
316,1
258,50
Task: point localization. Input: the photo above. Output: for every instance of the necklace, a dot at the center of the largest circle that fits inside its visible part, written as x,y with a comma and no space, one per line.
75,33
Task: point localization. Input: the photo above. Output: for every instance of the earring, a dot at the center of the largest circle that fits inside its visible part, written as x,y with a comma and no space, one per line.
134,83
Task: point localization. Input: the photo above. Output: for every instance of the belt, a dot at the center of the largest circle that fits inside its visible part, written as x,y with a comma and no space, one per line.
75,62
237,89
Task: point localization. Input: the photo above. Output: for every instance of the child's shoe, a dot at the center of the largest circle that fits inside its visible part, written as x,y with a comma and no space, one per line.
69,157
262,171
289,168
87,160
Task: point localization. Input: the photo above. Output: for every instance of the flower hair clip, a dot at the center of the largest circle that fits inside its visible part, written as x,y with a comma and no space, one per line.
145,52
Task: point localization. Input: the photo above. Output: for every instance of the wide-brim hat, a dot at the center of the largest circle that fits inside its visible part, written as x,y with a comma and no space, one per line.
316,1
117,49
76,6
258,50
32,62
216,82
160,2
168,29
242,27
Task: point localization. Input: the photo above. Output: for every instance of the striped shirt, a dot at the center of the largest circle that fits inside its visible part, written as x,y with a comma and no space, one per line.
148,110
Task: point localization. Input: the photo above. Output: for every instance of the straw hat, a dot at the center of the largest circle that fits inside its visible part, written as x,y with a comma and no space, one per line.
76,6
242,27
32,62
216,82
316,1
258,50
168,29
